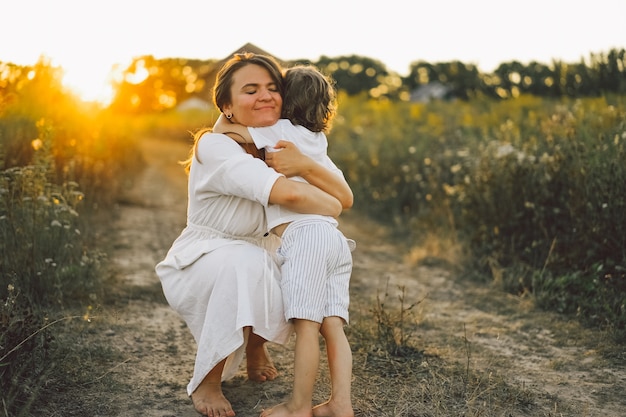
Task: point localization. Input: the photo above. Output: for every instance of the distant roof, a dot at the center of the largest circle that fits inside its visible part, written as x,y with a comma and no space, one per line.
193,103
434,90
248,47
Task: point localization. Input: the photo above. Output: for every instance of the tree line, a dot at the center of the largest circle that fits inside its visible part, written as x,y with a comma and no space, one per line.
166,82
150,85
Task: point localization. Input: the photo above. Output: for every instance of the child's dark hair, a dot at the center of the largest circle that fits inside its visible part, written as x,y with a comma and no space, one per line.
310,99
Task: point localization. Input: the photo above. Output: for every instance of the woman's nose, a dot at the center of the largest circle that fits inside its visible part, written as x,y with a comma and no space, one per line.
265,95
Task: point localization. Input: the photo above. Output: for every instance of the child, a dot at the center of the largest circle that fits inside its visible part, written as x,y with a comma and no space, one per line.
317,259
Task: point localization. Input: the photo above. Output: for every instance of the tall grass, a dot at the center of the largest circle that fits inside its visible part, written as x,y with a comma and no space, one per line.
61,164
534,189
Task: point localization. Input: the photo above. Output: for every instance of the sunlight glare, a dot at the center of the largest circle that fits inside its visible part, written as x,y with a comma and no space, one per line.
91,82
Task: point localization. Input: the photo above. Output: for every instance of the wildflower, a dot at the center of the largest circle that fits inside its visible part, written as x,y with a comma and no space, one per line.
545,158
449,189
504,150
56,223
78,196
36,144
87,315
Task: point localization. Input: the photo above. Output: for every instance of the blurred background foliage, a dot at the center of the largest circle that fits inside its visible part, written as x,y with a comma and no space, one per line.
517,178
149,85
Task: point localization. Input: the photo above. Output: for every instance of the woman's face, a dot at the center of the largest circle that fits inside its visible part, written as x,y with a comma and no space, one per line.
256,101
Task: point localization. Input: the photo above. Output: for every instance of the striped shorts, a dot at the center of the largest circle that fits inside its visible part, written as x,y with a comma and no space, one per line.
316,271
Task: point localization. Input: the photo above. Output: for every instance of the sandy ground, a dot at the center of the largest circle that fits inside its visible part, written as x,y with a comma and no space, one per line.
489,330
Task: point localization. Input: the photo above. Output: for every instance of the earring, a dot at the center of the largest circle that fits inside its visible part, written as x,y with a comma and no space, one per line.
229,116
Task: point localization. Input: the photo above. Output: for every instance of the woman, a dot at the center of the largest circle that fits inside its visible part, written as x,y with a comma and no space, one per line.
218,274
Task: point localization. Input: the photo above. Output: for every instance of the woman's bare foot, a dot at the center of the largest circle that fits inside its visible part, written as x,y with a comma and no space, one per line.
259,365
209,400
261,369
285,410
333,409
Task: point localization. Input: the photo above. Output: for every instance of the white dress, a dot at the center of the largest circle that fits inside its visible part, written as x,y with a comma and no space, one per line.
220,274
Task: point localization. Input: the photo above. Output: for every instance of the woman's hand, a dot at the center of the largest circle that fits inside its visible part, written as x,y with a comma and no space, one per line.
288,160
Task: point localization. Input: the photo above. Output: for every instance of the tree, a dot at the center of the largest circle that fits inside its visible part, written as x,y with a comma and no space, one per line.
357,74
149,85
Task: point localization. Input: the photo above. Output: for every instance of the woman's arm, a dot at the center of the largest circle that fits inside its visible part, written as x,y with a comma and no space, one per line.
304,198
290,162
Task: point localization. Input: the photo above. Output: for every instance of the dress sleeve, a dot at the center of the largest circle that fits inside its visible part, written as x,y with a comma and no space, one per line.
222,167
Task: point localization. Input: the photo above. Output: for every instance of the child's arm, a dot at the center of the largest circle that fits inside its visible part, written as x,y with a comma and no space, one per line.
237,132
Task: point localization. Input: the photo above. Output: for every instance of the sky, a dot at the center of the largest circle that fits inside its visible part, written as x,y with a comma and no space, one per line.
87,37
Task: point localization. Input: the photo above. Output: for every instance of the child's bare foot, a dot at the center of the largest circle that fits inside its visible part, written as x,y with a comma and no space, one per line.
209,400
285,410
333,409
260,367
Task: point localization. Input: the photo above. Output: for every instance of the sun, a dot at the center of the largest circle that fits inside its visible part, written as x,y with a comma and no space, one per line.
90,81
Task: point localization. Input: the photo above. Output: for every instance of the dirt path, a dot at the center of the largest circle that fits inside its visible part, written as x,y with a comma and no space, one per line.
488,332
